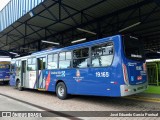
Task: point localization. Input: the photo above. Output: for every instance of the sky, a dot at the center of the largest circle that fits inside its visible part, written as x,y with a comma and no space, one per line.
3,3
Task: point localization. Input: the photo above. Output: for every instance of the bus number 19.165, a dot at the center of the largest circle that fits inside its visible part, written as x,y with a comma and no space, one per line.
102,74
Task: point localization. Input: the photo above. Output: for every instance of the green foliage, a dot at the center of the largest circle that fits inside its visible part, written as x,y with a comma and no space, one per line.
153,89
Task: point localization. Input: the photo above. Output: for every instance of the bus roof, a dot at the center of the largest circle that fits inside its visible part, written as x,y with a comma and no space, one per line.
75,46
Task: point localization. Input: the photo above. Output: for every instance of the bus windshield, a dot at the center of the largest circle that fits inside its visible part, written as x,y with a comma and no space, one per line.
133,48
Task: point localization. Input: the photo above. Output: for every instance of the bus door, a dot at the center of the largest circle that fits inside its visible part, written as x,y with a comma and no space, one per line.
23,72
41,65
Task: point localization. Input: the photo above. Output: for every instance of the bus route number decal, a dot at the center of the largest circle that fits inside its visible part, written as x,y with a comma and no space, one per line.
102,74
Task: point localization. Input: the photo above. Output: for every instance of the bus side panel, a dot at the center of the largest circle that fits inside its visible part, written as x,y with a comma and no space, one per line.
50,80
53,76
101,81
98,81
87,83
26,82
30,79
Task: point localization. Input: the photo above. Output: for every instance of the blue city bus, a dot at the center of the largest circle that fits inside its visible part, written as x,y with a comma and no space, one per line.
113,66
4,72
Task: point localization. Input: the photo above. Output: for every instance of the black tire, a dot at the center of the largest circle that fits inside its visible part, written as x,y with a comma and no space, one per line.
61,91
6,82
18,85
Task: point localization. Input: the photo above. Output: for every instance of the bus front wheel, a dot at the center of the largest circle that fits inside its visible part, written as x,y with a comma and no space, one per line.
61,91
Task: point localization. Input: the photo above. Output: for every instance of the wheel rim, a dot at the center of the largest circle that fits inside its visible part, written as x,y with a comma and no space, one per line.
60,91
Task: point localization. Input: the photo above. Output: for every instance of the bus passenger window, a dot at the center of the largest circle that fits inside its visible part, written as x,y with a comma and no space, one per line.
65,60
81,58
68,55
31,66
52,61
102,55
50,58
62,56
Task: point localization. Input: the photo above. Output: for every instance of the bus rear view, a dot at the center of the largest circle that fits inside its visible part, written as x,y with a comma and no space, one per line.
133,65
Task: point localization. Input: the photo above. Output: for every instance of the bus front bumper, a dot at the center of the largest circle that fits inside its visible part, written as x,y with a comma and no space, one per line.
132,89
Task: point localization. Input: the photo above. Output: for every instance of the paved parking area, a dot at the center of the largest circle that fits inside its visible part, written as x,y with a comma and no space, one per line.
12,109
49,101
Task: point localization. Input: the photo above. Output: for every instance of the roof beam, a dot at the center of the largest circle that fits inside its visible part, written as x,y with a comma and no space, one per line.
53,16
29,18
142,3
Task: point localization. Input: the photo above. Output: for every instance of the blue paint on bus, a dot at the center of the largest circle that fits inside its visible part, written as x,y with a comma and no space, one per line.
4,71
117,68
